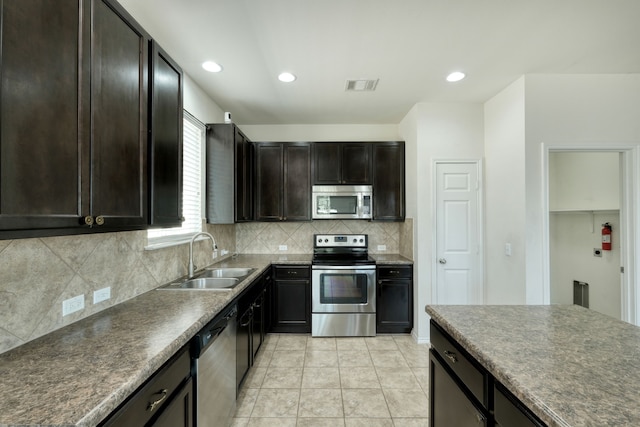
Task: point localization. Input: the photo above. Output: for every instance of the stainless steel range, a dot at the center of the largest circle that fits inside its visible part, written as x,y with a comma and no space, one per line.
343,295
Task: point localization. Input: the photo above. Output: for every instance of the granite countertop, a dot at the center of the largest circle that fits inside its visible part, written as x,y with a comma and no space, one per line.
79,374
391,259
571,366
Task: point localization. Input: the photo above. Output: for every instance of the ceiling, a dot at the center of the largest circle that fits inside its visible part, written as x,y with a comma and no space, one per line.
410,45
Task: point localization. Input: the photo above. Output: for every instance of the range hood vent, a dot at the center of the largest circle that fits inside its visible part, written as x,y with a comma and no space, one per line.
361,85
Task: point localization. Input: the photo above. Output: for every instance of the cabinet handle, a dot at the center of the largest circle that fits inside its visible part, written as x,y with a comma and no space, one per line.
100,220
155,403
451,356
394,272
88,220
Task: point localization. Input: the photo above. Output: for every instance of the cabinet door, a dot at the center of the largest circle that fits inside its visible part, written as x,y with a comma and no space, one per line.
508,411
43,148
269,178
388,181
327,163
244,178
179,412
449,405
165,142
292,306
119,52
394,306
356,163
243,343
297,182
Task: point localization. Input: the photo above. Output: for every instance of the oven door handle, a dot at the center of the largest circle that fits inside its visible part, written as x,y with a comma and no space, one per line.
344,267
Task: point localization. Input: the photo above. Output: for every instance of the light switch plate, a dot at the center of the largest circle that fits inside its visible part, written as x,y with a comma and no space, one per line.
72,305
102,294
382,247
282,248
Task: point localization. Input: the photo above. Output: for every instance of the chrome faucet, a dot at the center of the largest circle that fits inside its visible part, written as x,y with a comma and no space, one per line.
215,247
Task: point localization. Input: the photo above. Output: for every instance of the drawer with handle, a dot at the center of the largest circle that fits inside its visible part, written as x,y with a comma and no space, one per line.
464,366
292,272
150,399
395,272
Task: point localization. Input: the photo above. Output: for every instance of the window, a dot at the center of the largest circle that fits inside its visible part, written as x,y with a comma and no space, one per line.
192,143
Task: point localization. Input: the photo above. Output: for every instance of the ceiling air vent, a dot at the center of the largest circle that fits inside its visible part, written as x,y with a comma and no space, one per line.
361,85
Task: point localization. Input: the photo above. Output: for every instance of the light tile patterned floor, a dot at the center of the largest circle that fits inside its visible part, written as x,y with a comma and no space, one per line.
300,381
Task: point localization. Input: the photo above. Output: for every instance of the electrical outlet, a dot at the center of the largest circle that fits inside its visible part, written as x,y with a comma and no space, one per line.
72,305
224,252
282,248
382,247
101,295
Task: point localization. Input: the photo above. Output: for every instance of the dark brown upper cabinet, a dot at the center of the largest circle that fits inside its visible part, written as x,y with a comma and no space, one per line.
283,181
165,139
336,163
229,175
73,140
388,181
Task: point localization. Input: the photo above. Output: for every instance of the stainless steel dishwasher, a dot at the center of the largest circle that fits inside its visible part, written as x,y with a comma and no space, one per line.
214,352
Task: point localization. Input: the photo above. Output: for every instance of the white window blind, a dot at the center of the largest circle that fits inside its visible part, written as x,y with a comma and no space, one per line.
192,143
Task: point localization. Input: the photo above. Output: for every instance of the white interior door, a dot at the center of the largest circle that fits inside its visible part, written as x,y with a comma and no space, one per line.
457,263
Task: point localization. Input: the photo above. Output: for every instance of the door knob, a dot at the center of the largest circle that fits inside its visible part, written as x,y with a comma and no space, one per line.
442,261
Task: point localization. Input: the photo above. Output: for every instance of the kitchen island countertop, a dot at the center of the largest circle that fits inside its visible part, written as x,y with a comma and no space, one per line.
77,375
569,365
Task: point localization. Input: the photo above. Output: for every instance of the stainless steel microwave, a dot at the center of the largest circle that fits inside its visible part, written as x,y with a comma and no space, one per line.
342,201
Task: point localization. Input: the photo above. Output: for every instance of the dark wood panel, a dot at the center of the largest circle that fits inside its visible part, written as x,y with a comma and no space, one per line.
356,163
327,164
41,140
118,116
269,179
297,182
394,312
244,178
388,181
165,142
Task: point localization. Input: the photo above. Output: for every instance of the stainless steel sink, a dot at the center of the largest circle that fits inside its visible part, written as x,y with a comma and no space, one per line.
207,283
214,279
226,272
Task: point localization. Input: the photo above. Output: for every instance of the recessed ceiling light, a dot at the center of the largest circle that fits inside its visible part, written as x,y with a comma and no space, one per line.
286,77
212,67
456,76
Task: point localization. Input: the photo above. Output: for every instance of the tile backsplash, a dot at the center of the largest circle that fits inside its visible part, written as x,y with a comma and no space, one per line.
268,237
36,275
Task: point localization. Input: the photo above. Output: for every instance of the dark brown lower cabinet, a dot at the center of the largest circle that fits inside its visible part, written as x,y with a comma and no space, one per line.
179,412
394,302
463,393
450,404
508,411
291,299
166,399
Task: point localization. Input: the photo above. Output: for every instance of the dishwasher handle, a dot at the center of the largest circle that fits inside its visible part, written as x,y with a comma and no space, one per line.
209,333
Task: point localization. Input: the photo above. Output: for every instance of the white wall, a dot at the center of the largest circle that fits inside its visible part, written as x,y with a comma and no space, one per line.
584,180
570,111
433,131
573,235
533,113
504,121
199,105
293,133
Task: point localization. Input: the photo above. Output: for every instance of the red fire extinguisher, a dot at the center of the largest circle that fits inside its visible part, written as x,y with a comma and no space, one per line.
606,236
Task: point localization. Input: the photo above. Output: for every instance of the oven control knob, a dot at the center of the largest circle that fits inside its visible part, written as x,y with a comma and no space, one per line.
361,240
355,240
326,240
319,240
